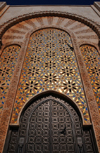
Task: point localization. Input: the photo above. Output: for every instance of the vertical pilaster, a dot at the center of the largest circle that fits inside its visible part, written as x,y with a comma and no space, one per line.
92,105
6,115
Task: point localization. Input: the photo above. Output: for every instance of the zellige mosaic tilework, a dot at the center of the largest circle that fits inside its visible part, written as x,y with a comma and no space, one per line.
92,61
8,61
50,64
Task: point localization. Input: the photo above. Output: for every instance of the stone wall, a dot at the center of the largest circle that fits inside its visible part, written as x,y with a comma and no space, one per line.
85,11
19,34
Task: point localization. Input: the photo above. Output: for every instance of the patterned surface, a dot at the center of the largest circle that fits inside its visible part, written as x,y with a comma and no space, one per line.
18,31
8,60
48,122
47,127
50,64
50,125
92,61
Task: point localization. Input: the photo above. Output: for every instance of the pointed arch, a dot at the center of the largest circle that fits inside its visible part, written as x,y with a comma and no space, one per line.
50,117
55,94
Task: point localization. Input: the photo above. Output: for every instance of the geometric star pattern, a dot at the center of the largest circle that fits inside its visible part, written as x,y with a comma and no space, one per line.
92,62
50,64
8,61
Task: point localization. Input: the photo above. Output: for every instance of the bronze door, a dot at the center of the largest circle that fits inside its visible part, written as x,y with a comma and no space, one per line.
50,125
50,130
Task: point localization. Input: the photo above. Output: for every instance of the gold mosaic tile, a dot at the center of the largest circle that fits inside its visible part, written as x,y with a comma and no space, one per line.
50,64
92,62
8,61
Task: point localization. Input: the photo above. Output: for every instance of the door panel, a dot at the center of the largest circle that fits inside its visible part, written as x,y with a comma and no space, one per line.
40,139
52,128
50,125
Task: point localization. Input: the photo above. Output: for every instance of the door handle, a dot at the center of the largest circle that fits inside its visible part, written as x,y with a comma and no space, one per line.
63,131
80,143
20,144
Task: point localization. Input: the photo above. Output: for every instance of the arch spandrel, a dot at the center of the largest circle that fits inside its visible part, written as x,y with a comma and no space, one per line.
56,94
58,71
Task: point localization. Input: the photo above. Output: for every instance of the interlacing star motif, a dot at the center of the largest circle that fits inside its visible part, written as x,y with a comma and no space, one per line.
50,54
66,59
67,71
8,59
30,86
69,85
35,59
4,71
91,59
96,71
51,78
33,71
50,64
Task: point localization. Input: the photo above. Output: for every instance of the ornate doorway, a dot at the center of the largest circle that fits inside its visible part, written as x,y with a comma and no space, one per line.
50,125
